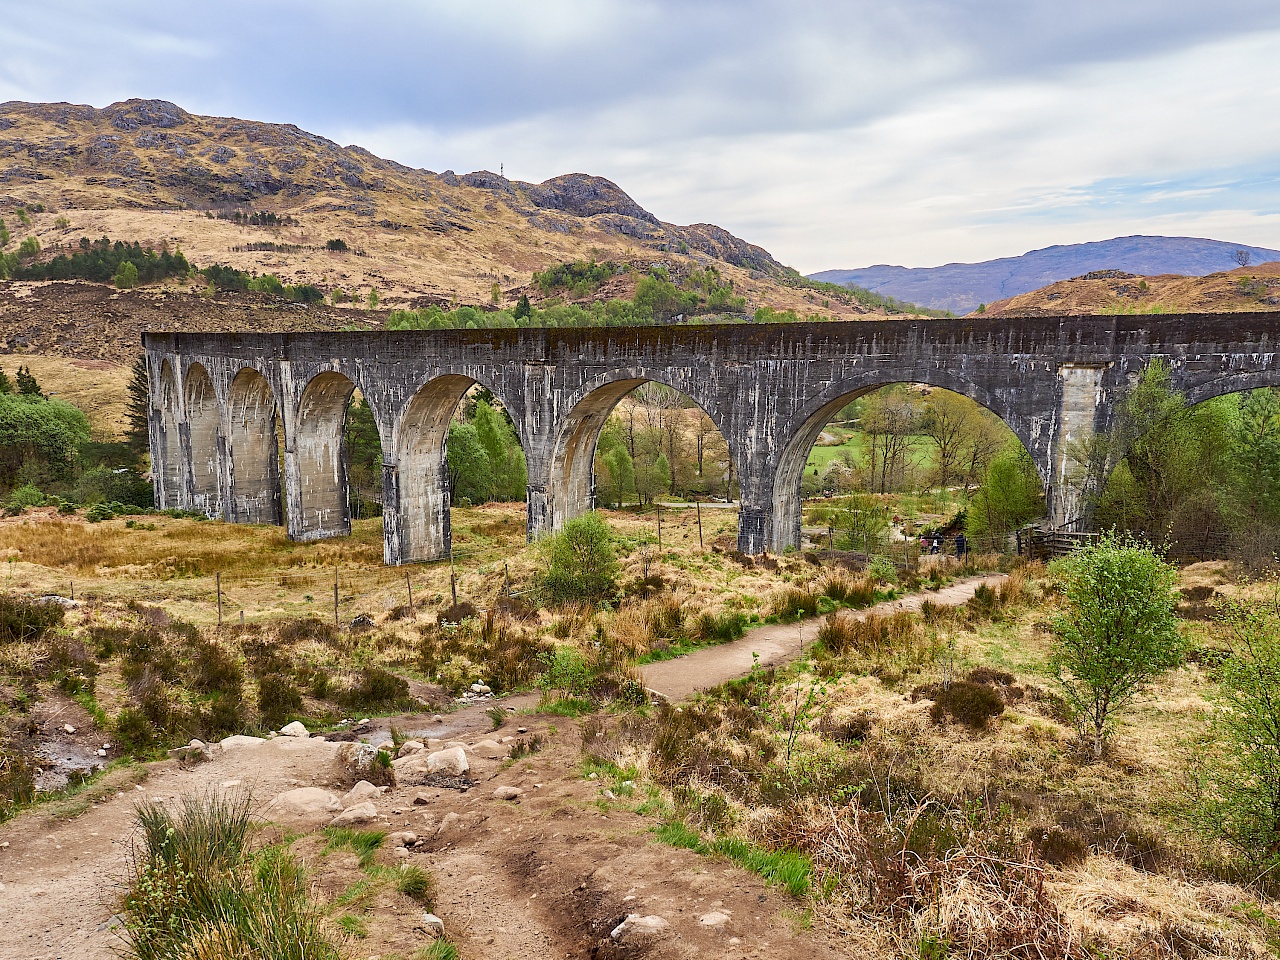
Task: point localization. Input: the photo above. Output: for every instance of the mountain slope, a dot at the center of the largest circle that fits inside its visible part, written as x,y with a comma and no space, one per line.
960,287
148,170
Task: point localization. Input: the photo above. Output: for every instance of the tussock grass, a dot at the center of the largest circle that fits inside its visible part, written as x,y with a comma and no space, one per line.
196,891
364,843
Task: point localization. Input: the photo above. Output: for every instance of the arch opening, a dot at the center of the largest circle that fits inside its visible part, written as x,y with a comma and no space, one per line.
455,445
319,448
253,450
636,441
913,452
204,432
168,441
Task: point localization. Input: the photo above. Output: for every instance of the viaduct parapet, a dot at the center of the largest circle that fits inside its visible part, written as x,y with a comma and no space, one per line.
222,404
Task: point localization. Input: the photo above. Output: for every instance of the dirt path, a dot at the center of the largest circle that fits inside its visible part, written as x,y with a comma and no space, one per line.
775,644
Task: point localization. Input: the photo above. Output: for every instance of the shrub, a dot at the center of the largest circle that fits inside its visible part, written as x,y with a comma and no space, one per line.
972,704
457,612
215,668
27,495
567,672
26,621
278,699
99,512
375,688
135,733
1056,846
17,781
792,603
580,562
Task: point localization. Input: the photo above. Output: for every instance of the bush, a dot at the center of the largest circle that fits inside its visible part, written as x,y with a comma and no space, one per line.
580,562
27,495
26,621
99,512
17,782
376,688
215,669
972,704
278,699
793,603
135,734
567,672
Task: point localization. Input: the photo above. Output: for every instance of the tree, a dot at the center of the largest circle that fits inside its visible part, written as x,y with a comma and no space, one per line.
523,309
467,465
1011,495
1242,257
374,299
1247,807
6,385
580,561
27,385
1119,631
495,292
126,276
35,432
508,474
618,475
136,434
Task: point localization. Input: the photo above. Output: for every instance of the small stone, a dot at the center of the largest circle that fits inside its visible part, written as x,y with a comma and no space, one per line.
522,729
106,746
716,918
421,800
508,793
68,728
295,729
638,926
354,816
433,925
449,763
400,853
491,750
404,838
437,718
102,753
240,740
410,746
511,709
593,776
230,784
447,823
478,688
388,745
610,795
362,792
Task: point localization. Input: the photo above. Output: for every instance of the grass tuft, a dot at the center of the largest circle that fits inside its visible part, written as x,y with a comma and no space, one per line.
364,843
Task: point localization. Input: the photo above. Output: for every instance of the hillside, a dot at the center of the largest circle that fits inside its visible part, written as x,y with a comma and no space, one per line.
146,170
961,287
1117,292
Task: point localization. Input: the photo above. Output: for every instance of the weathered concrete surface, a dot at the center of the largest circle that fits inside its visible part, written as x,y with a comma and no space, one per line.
770,388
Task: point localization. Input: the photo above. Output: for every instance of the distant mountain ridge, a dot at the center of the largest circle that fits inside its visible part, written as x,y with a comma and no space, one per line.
961,287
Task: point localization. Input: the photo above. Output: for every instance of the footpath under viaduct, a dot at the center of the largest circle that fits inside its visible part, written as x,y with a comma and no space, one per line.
770,388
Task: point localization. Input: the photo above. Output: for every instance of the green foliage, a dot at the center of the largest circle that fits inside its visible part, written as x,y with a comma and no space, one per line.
363,843
46,434
781,868
28,249
137,435
336,245
1119,631
26,383
484,458
566,673
1011,495
1246,808
126,276
416,884
364,460
103,261
851,293
580,278
580,562
222,277
27,495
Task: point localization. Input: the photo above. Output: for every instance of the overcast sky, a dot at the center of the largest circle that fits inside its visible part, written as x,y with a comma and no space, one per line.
835,134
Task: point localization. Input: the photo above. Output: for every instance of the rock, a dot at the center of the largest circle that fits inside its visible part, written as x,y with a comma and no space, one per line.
196,744
66,603
491,750
448,763
421,800
716,918
436,718
410,746
361,623
479,688
400,853
68,728
638,926
387,745
508,793
447,824
403,838
195,751
240,740
356,815
433,925
522,729
304,806
295,729
360,793
102,753
610,795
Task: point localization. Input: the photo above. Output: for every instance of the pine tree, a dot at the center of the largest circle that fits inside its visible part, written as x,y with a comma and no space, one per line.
523,308
136,434
6,385
27,385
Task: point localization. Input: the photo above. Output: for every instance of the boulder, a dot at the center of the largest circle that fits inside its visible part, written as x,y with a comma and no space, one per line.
402,838
448,763
421,800
360,793
355,816
716,918
508,793
295,729
410,746
305,806
636,927
491,750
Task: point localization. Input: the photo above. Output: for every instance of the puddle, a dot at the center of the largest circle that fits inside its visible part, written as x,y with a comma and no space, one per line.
59,760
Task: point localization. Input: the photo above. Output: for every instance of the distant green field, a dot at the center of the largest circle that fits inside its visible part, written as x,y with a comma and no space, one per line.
923,453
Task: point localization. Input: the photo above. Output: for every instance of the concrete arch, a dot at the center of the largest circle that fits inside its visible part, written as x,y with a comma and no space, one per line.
204,439
166,442
808,425
319,474
253,450
570,478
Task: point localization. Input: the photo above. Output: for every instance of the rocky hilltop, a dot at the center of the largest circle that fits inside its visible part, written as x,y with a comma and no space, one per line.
149,170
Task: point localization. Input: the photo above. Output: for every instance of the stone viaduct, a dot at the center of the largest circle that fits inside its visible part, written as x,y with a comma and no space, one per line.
220,401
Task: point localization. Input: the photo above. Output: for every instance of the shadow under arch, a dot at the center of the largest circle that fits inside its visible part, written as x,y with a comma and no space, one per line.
204,438
253,450
167,443
320,460
813,419
571,475
419,486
